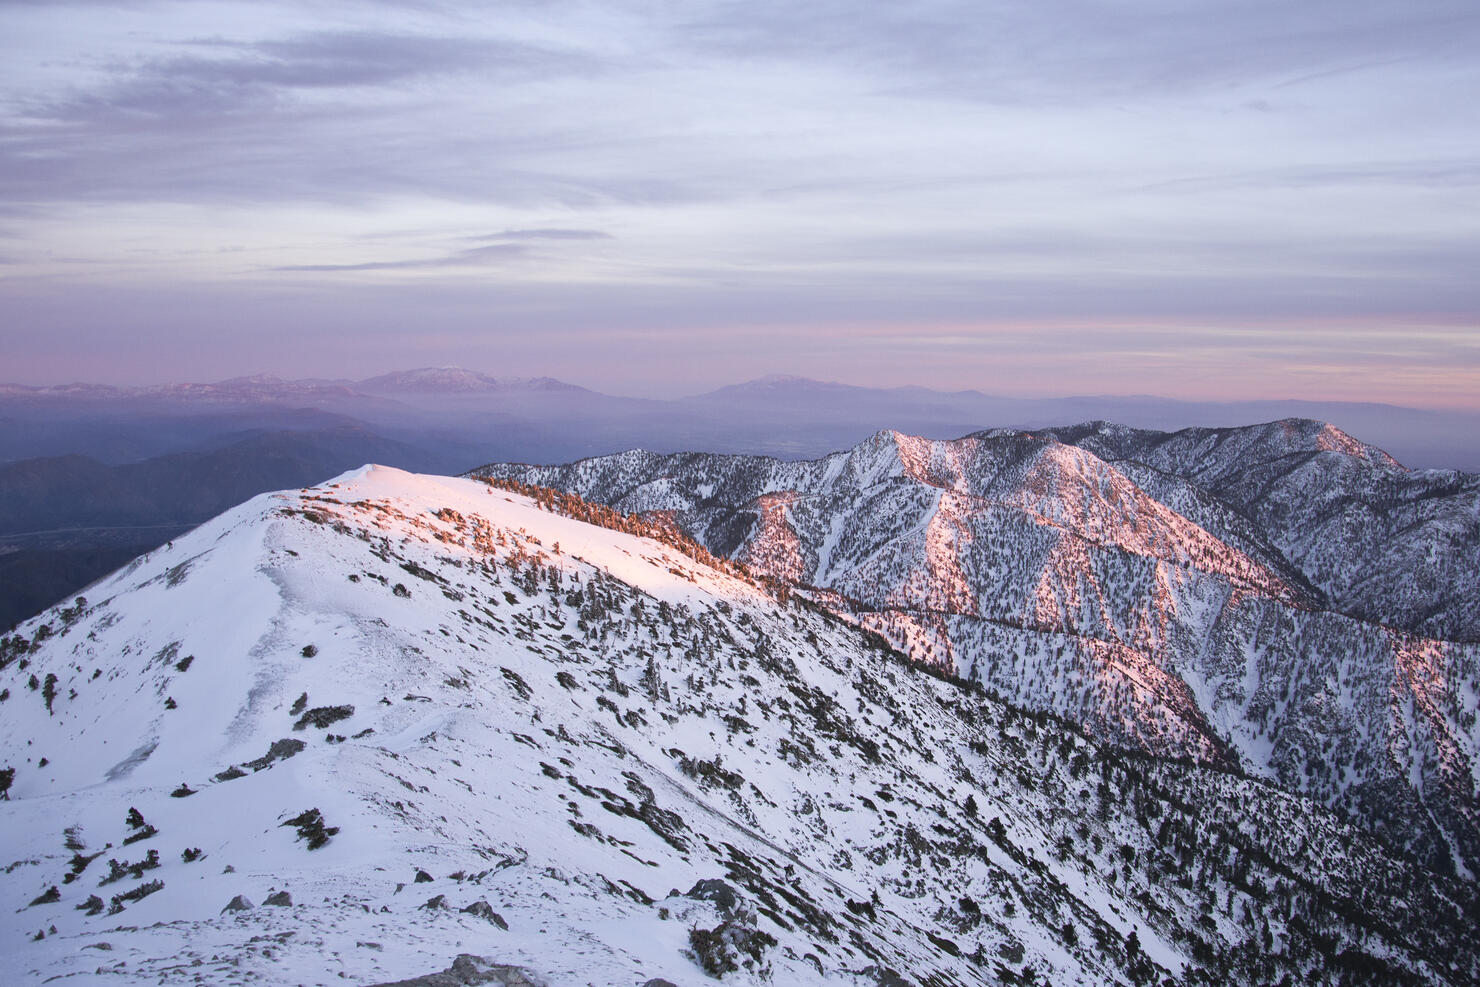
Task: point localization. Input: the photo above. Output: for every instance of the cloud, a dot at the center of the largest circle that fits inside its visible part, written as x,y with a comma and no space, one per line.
463,258
1085,53
330,59
224,76
322,115
545,234
1434,173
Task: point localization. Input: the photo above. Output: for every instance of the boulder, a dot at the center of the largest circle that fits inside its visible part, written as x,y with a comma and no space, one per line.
725,897
481,909
469,970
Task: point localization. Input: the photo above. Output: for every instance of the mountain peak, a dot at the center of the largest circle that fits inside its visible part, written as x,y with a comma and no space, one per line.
1332,439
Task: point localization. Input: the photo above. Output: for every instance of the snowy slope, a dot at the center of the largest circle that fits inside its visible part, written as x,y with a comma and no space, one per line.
1382,542
638,762
1146,602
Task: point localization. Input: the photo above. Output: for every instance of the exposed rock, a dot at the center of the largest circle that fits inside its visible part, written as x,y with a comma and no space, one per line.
279,898
733,945
310,825
468,970
321,716
280,750
725,897
47,897
483,910
241,903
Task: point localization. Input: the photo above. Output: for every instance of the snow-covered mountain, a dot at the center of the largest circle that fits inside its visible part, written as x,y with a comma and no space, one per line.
1282,597
1384,543
354,732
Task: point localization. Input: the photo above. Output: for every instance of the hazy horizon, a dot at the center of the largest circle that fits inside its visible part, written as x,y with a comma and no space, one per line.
678,392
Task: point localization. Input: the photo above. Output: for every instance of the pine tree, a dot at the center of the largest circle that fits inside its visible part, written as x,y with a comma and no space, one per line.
652,680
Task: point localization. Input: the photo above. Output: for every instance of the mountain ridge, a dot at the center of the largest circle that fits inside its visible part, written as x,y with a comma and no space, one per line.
1053,576
556,727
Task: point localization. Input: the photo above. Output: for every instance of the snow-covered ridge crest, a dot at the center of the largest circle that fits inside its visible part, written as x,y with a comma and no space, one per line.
251,549
426,716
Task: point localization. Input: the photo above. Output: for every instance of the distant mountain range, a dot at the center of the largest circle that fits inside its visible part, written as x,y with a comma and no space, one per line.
540,419
1281,597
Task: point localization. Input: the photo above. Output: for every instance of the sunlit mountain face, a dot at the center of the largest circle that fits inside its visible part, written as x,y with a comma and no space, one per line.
1281,598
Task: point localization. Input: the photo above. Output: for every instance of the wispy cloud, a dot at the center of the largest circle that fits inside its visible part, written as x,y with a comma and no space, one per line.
1012,52
544,234
325,115
463,258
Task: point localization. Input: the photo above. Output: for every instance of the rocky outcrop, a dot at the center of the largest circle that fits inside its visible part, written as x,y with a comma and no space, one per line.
468,970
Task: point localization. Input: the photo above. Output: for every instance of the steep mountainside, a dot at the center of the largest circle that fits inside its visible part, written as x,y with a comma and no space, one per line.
1383,543
435,718
1128,598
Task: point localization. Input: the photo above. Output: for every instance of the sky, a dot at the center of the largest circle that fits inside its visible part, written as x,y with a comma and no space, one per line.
1222,200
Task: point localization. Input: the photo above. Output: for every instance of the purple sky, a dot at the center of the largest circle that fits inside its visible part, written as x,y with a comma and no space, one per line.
1214,200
